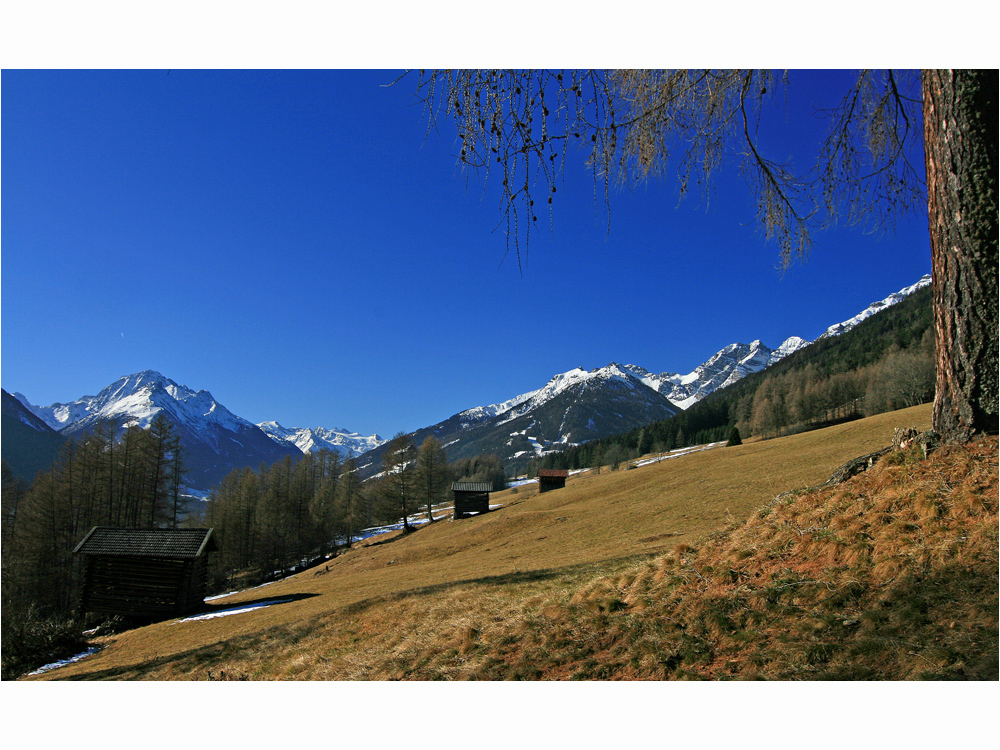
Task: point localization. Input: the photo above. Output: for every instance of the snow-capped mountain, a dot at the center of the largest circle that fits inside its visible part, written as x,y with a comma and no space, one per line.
573,407
215,440
738,360
577,406
139,398
874,307
14,407
310,440
515,407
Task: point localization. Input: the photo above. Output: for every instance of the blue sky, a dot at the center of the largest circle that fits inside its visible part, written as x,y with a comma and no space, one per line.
291,242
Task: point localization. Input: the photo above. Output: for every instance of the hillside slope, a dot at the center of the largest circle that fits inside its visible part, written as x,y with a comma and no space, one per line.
889,576
29,445
408,606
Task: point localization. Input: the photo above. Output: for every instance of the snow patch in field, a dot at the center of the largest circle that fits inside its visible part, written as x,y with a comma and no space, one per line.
234,610
678,453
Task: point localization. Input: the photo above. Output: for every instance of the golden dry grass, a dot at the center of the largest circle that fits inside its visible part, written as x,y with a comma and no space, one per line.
890,576
439,602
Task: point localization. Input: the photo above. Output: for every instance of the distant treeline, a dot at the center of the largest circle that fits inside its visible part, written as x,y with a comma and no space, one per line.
884,363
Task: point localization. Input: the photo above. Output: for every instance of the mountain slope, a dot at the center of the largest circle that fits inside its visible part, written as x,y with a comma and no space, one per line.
904,326
519,428
738,360
876,307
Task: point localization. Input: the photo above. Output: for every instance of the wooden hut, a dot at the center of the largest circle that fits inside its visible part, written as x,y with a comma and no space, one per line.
551,479
471,497
156,573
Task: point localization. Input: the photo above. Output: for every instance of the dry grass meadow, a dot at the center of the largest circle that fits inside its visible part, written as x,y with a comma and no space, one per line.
485,597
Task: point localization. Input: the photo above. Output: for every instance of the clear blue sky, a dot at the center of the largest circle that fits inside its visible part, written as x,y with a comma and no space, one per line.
289,241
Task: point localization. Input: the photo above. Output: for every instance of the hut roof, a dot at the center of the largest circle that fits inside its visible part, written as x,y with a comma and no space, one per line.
170,543
553,473
472,487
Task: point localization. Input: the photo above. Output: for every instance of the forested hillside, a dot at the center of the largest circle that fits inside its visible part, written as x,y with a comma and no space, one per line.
884,363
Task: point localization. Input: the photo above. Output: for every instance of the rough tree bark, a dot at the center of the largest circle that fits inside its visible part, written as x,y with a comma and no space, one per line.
960,147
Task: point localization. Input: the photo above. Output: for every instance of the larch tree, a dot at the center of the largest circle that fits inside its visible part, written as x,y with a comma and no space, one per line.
349,499
398,482
432,474
519,126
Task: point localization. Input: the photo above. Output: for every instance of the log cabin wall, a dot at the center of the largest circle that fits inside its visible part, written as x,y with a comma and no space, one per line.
156,573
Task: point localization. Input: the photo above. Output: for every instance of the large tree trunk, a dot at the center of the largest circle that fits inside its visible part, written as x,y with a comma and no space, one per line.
960,147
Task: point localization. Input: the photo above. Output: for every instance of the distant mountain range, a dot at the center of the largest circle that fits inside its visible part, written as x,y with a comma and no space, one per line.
573,407
581,405
311,439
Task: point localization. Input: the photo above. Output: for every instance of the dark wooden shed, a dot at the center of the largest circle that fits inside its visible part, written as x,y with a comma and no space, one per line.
551,479
157,573
471,497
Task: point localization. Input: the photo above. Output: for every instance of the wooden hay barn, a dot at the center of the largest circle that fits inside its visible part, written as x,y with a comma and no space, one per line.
156,573
471,497
551,479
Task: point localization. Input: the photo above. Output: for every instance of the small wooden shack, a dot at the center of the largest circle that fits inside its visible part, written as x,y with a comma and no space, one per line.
471,497
156,573
551,479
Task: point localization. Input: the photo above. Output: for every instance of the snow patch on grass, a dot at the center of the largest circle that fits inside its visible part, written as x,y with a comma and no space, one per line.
63,662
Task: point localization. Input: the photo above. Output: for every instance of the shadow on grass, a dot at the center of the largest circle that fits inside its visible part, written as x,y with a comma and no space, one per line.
234,648
403,534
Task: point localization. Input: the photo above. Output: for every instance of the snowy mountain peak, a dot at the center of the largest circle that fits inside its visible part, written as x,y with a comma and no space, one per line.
311,440
138,398
215,440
